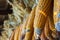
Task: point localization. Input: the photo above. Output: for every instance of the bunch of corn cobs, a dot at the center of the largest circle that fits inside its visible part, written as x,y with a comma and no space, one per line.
36,19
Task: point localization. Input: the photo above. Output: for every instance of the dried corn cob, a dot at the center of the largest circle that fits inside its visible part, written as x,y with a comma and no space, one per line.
29,27
42,10
47,31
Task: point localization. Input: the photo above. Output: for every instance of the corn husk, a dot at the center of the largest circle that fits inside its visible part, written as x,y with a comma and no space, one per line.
16,33
40,18
36,20
19,11
56,14
52,28
29,27
51,25
23,30
19,35
12,35
42,11
47,31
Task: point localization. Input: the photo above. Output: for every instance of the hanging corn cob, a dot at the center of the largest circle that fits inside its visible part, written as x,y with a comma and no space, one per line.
42,10
29,27
57,16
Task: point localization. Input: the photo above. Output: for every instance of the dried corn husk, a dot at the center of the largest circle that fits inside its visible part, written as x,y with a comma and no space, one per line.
42,11
57,14
19,12
47,31
51,25
29,27
16,33
23,30
12,35
52,28
19,35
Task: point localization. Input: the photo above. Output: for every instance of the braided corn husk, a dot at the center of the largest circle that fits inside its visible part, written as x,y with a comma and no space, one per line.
29,27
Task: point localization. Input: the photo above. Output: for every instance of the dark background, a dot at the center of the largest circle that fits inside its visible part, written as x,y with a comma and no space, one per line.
5,9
